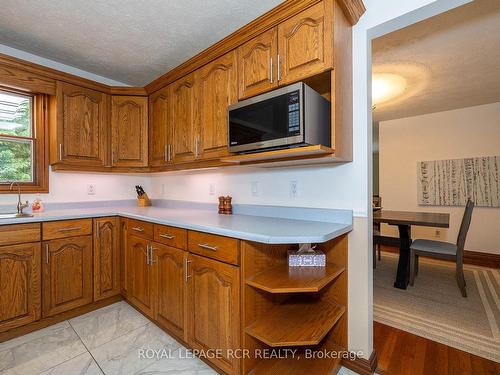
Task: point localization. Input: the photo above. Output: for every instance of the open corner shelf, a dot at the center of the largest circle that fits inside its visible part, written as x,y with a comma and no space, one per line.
306,152
311,320
284,279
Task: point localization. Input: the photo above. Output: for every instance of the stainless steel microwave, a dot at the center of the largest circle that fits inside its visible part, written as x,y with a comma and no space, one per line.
291,116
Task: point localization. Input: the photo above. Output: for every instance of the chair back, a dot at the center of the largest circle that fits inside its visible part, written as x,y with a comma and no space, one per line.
464,227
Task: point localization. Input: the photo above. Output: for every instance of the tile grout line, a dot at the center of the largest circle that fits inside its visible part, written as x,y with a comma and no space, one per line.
85,346
69,359
116,337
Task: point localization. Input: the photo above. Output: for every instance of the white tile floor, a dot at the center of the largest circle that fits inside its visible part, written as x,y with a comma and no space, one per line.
105,341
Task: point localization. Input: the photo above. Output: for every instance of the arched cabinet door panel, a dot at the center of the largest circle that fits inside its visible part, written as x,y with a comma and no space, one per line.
182,113
257,64
129,130
106,258
79,126
67,274
213,308
140,281
217,85
160,129
19,285
170,286
306,44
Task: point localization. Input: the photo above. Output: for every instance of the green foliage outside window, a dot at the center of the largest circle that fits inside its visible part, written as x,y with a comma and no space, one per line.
16,153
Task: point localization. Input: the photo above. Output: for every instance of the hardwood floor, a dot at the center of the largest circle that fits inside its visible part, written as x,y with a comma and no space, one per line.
401,353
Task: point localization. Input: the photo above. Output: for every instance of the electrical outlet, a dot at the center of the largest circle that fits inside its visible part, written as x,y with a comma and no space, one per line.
255,189
438,233
294,189
163,189
91,189
211,189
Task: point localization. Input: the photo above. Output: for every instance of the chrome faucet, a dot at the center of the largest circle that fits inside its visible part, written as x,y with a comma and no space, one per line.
20,206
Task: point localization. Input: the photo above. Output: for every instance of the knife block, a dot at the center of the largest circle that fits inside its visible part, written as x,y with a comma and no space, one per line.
143,201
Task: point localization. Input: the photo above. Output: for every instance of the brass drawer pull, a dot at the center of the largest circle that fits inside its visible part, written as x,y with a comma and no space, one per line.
151,255
138,229
186,270
69,229
207,246
167,236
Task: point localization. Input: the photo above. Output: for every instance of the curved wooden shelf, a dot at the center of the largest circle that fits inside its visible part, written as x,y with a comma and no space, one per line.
284,279
296,323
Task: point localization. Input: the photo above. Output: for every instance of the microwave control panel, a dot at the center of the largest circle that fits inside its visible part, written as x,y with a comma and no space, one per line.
294,113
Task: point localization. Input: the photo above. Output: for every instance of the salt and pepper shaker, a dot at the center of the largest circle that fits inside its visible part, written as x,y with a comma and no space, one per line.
225,205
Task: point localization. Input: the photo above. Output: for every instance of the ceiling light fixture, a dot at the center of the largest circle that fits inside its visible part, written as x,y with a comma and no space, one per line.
386,86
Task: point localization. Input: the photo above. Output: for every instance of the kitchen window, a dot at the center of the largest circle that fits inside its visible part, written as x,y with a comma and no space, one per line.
23,141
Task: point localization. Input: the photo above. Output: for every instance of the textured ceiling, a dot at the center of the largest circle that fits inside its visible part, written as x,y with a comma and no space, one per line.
450,61
131,41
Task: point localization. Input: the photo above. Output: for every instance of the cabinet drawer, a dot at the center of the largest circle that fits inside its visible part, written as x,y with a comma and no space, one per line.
221,248
140,228
66,228
19,233
171,236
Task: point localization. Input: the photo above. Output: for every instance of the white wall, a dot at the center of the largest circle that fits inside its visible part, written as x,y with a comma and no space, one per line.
72,187
466,132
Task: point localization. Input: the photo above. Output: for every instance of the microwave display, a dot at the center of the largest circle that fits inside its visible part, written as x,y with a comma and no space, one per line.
276,118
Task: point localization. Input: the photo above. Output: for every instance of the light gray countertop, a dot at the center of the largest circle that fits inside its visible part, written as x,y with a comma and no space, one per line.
264,229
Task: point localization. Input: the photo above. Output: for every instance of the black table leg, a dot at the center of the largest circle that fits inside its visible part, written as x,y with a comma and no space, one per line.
404,257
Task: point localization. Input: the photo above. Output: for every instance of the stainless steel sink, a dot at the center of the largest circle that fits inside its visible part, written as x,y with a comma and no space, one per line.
14,216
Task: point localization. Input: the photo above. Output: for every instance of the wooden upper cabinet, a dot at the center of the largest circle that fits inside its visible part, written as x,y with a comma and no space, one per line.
129,129
257,64
170,288
20,285
182,107
67,274
217,85
159,129
79,126
213,309
305,43
106,258
140,288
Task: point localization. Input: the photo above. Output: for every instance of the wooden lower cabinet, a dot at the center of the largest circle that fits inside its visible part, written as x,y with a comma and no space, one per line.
213,309
106,258
170,288
67,274
20,292
140,282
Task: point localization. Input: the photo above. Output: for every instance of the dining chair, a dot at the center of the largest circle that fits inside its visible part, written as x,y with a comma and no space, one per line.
377,204
444,250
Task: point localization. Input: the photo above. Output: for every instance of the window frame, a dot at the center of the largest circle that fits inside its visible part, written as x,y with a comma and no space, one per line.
40,156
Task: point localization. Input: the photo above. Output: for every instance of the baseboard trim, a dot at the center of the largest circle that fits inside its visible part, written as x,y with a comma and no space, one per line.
361,365
482,259
475,258
48,321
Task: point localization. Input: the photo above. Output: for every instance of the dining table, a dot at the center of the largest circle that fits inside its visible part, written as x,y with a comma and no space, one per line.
404,220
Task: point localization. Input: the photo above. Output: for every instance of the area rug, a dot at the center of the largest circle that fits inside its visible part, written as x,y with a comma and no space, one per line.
434,308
